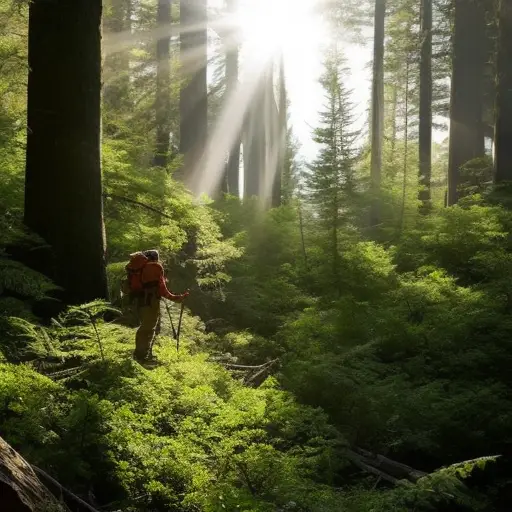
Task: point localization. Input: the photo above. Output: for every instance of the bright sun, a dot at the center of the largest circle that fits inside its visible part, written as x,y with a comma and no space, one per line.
272,26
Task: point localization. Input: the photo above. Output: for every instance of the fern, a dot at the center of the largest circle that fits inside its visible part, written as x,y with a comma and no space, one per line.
16,277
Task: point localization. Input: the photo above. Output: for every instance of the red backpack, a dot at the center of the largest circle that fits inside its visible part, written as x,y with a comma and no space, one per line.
133,283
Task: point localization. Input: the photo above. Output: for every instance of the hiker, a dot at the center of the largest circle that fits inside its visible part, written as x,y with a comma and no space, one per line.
146,284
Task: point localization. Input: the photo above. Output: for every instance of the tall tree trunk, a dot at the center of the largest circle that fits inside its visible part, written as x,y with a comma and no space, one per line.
393,124
503,128
193,94
254,142
282,139
63,192
425,112
116,68
272,149
468,62
232,53
163,86
406,145
377,134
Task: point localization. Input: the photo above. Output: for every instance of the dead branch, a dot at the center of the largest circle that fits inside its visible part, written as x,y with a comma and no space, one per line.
137,203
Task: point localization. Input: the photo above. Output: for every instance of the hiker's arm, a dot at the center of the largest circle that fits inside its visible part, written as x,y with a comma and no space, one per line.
164,292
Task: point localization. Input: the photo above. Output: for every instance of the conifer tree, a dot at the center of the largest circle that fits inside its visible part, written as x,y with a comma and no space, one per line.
331,180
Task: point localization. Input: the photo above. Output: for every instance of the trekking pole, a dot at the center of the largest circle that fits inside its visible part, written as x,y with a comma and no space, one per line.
157,332
179,327
174,335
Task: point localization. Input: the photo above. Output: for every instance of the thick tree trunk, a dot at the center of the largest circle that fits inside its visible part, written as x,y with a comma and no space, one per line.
116,67
468,62
63,193
193,95
377,127
233,164
163,86
425,121
503,128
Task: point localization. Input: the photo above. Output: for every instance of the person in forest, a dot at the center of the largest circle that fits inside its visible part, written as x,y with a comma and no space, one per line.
147,285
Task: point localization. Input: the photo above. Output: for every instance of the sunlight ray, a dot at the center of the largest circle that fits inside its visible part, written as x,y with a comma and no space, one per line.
114,42
209,171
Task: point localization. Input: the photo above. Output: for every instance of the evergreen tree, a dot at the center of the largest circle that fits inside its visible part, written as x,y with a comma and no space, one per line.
331,180
63,190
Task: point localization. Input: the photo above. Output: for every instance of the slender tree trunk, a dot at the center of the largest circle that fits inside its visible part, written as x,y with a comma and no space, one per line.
63,192
466,124
232,55
393,124
503,128
163,86
282,138
254,143
406,145
377,134
425,121
194,91
272,179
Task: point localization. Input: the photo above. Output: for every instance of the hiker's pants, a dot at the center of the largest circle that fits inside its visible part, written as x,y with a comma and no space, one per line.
149,315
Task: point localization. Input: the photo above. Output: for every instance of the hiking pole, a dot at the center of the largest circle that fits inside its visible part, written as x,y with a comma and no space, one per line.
174,335
179,327
157,332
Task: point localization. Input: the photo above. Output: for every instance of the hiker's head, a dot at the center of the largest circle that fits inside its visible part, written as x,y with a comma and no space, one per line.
151,255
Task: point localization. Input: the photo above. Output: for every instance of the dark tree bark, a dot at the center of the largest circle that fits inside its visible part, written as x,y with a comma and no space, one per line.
117,65
63,192
468,64
377,133
425,112
163,86
233,164
503,127
193,96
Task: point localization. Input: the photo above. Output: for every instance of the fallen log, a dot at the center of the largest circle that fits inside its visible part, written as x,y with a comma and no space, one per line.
383,467
20,488
392,467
